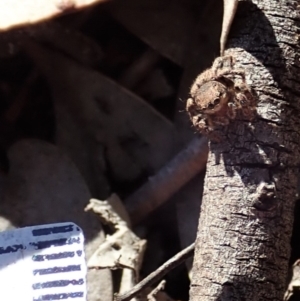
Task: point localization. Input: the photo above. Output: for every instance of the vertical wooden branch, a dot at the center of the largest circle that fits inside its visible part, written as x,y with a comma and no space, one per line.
243,240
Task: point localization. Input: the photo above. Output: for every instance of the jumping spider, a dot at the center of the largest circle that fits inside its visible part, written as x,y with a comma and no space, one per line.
218,94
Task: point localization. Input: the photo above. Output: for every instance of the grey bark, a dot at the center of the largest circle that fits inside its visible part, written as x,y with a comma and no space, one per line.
243,239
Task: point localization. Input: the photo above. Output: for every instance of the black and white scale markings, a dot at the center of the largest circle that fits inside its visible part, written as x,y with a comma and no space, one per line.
43,263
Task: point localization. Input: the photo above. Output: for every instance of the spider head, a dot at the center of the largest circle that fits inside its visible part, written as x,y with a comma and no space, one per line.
212,97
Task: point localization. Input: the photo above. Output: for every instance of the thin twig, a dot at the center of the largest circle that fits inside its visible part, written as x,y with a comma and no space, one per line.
161,286
158,274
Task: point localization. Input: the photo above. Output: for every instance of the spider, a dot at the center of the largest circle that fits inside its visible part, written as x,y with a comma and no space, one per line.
218,94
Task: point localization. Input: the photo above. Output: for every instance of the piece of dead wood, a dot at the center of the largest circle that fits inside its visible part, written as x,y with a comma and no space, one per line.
157,274
16,13
159,295
121,250
295,281
111,211
174,175
152,295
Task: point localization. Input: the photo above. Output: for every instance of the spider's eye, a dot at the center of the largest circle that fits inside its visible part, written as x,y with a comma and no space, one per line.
211,106
216,101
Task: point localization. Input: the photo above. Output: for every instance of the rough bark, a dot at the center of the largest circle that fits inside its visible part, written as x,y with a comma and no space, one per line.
243,239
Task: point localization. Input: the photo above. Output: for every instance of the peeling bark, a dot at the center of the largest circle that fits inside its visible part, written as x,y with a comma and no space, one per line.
243,239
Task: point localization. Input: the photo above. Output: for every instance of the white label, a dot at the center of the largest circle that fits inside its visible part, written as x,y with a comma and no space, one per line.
43,263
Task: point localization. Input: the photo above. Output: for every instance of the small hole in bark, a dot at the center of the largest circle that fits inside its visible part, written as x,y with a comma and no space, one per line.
116,246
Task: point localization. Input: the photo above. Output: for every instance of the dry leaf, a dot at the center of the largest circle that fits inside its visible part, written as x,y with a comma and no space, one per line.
121,250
